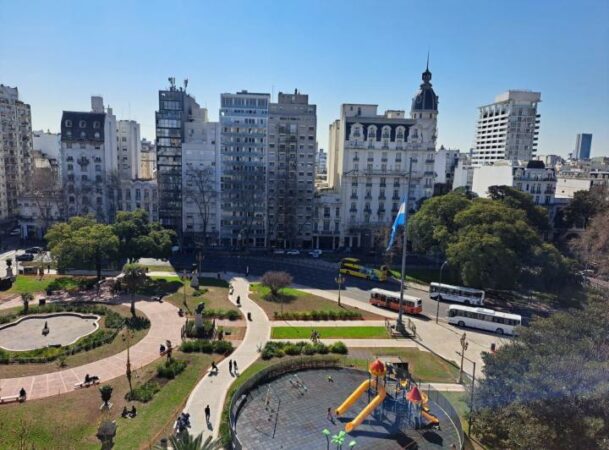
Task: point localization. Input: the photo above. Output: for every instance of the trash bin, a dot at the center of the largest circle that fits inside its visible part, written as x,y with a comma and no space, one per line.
493,347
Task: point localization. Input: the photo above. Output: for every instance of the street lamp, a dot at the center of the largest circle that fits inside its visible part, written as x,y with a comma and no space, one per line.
444,264
339,280
464,345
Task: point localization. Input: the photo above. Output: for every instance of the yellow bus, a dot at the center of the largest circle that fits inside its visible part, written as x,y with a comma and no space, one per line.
354,267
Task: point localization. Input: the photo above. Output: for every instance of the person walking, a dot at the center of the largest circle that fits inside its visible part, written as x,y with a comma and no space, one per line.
230,366
207,413
330,416
235,366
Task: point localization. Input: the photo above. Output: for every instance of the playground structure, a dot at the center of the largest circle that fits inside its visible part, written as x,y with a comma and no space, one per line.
410,406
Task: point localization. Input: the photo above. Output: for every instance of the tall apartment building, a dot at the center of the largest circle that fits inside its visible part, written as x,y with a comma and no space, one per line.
368,164
129,149
243,147
88,160
15,151
175,109
147,160
47,143
445,164
201,181
583,145
508,128
291,170
321,162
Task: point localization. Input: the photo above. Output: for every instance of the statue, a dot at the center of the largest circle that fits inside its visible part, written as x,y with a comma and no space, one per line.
45,329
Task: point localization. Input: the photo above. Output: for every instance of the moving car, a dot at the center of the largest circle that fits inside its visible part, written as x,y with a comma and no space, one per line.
293,252
34,250
279,251
25,257
315,253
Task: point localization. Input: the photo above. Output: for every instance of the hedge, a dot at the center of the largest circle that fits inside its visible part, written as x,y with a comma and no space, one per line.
276,349
169,369
143,393
318,315
204,346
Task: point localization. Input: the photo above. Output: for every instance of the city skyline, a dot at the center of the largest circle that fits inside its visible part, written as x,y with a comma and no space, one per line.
470,66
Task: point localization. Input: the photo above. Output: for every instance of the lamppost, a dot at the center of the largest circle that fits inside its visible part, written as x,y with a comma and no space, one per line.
339,280
464,345
184,287
444,264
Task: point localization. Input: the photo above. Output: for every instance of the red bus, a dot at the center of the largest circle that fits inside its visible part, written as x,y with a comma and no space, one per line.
391,300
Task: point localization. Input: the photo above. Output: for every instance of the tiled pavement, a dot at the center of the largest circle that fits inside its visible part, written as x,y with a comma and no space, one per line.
165,324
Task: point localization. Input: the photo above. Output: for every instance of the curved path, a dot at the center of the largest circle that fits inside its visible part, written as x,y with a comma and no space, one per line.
164,324
212,389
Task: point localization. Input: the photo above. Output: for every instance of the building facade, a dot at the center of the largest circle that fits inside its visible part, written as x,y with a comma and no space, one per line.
175,109
583,146
147,160
15,151
129,149
243,148
88,161
375,159
507,129
47,143
534,178
291,170
321,162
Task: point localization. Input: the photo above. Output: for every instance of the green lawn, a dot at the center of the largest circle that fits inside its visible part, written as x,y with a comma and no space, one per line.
168,278
294,301
425,366
330,332
70,421
459,401
422,276
31,283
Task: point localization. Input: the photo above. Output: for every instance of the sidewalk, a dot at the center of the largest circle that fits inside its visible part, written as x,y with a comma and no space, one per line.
164,324
212,389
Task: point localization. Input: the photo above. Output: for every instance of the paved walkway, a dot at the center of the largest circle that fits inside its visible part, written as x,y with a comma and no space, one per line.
164,324
212,389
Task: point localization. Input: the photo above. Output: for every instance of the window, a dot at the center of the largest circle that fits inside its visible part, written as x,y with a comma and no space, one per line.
68,123
82,124
96,124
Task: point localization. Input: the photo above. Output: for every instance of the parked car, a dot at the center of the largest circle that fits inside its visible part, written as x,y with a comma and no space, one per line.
293,252
34,250
15,232
315,253
25,257
279,251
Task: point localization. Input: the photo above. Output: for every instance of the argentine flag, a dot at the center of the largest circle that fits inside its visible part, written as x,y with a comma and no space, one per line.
400,219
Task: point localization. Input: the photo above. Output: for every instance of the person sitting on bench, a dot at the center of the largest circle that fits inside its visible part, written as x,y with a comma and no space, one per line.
125,412
87,379
162,349
133,412
22,395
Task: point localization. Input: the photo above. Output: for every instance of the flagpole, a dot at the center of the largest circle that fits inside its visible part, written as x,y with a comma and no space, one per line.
400,324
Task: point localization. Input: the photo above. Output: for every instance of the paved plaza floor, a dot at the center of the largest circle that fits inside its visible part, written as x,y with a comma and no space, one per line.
287,417
63,329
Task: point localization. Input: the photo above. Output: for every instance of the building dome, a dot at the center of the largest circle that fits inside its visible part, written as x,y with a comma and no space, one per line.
425,98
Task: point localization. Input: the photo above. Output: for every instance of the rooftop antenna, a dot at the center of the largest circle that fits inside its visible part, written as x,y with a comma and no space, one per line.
427,68
185,83
172,82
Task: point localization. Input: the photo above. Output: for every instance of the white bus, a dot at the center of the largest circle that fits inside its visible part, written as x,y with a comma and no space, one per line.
459,294
483,319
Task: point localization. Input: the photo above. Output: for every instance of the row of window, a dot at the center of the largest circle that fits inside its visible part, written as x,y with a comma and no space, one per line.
82,124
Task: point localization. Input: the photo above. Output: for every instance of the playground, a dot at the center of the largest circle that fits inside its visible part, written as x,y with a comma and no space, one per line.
378,409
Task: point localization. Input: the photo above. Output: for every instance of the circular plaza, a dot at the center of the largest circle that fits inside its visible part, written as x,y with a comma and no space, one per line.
291,410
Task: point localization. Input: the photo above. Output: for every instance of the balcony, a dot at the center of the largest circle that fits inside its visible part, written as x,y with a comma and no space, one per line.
353,197
382,197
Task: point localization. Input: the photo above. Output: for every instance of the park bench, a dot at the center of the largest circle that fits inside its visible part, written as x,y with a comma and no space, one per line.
84,384
11,399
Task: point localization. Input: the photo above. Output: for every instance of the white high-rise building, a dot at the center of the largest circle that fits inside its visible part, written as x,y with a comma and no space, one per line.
129,149
47,143
507,129
368,165
15,151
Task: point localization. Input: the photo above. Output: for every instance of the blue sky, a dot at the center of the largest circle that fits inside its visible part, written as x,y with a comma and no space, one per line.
59,53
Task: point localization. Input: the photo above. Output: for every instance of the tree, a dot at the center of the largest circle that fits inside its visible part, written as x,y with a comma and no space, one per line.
201,190
134,277
584,206
184,441
276,281
106,394
511,197
547,388
592,247
82,243
432,227
46,192
26,298
139,238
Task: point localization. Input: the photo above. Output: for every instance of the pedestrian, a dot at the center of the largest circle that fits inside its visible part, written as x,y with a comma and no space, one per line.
330,416
247,271
235,366
230,366
207,413
238,300
49,268
214,367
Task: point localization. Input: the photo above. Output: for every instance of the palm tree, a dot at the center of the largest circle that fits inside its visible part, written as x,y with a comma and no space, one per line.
26,298
134,277
184,441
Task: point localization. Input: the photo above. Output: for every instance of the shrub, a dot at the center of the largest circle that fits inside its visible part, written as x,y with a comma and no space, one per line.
339,347
321,348
137,323
171,368
143,393
114,320
197,345
318,315
292,350
309,349
267,353
232,314
223,347
197,293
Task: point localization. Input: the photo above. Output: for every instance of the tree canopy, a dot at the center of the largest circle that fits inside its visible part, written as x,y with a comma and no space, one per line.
548,387
584,206
139,237
82,242
490,243
134,278
592,246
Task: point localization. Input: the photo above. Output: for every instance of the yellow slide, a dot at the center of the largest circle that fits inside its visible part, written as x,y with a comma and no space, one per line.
376,401
353,398
425,412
